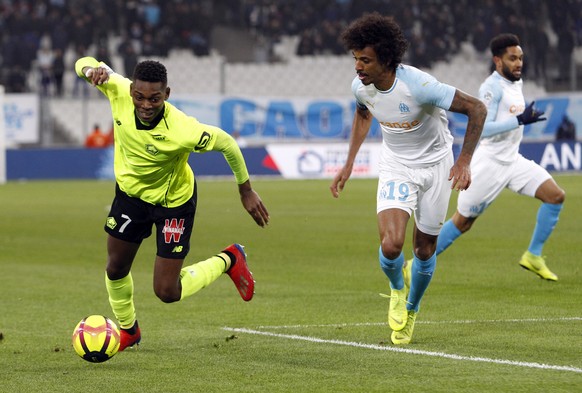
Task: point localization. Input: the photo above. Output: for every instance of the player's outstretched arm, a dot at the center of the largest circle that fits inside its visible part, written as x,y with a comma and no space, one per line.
253,204
360,128
92,70
476,111
251,201
97,75
530,115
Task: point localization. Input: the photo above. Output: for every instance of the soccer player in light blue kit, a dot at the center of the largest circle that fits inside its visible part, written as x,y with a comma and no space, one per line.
416,170
497,163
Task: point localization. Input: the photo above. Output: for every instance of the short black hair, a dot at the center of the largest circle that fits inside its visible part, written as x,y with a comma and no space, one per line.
150,71
379,32
501,42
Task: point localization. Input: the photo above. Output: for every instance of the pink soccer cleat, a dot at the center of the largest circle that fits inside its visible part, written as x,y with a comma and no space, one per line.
129,340
239,271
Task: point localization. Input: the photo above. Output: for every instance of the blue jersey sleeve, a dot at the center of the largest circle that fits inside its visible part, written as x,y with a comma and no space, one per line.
426,88
490,93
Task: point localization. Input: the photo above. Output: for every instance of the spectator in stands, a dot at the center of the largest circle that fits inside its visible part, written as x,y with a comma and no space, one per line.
45,58
97,138
565,50
128,55
58,71
103,53
307,43
80,87
480,38
540,45
188,24
566,130
16,80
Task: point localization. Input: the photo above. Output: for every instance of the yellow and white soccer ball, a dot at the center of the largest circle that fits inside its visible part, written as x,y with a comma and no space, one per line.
96,338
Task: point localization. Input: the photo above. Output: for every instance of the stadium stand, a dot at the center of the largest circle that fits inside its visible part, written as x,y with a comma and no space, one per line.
273,47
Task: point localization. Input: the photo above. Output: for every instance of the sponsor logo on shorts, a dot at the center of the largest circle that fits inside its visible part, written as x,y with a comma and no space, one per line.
173,230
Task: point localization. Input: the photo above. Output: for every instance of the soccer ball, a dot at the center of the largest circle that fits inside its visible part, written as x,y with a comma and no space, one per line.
96,338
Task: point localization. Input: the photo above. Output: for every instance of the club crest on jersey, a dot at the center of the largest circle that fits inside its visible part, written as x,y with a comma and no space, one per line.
403,108
151,149
173,230
111,223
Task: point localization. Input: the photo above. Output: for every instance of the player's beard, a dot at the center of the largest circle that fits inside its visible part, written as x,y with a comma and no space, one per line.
509,75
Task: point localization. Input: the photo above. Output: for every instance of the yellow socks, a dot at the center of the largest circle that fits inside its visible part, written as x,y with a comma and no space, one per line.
201,274
193,278
121,299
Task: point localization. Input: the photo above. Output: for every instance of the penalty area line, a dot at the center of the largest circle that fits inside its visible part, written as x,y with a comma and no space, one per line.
407,350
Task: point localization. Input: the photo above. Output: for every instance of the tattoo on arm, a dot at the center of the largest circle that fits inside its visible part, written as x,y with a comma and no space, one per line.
476,111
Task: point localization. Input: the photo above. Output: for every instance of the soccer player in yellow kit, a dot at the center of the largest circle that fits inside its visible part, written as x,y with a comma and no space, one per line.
156,186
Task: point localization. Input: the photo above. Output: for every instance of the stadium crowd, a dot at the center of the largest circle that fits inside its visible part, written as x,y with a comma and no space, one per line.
37,33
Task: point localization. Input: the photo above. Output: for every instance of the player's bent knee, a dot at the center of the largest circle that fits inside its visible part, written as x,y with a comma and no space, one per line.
390,249
463,223
167,295
116,274
559,197
424,254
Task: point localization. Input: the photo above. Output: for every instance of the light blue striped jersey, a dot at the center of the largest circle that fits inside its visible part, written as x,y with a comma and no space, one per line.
412,116
502,133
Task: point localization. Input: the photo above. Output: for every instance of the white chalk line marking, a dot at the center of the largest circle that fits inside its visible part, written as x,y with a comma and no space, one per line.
415,351
525,320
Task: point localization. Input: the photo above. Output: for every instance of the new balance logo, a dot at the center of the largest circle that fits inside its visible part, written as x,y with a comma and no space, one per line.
178,249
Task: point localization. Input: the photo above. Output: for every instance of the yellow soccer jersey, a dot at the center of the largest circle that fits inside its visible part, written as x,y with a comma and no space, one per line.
152,164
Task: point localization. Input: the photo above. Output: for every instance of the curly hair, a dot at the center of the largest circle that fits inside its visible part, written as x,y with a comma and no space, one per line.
381,33
150,71
501,42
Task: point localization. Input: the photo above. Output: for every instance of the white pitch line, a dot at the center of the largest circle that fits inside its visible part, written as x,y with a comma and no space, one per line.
424,323
407,350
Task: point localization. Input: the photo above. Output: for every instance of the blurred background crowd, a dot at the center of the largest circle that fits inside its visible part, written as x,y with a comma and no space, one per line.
37,35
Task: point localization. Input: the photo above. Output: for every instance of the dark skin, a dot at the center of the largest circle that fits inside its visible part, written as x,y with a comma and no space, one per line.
148,100
392,223
509,65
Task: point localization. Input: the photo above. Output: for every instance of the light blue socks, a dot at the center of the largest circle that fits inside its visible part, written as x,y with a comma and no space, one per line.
547,219
392,269
421,274
449,233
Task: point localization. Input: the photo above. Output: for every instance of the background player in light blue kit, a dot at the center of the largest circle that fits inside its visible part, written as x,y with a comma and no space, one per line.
497,163
416,167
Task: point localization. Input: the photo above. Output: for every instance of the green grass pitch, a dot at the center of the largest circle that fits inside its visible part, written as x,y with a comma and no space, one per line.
316,324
